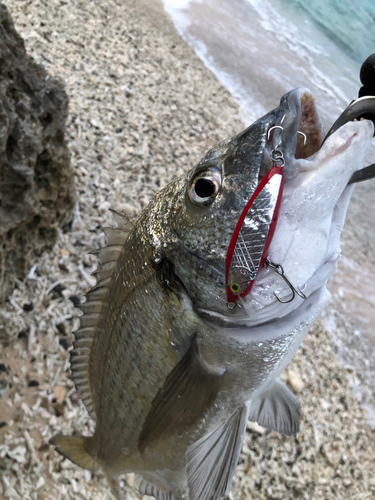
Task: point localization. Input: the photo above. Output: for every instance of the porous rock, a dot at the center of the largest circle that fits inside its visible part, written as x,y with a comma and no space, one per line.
36,182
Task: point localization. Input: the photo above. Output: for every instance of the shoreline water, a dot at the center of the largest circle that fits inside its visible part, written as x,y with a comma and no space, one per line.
258,52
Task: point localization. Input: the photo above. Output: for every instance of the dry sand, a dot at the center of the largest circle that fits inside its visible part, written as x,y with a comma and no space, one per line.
143,109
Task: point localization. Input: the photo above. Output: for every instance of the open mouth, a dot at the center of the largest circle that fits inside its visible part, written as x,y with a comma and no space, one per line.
297,132
310,129
300,134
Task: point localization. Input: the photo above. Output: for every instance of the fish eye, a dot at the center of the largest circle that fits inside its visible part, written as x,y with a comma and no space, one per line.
205,186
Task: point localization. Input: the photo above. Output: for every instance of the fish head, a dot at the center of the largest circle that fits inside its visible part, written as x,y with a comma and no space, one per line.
198,212
191,220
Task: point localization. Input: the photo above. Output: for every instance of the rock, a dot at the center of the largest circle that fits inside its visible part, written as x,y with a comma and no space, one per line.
37,191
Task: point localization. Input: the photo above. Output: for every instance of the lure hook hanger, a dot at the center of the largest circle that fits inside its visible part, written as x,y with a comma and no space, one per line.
278,268
277,156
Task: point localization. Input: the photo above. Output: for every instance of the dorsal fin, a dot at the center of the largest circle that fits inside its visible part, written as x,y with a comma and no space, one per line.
108,256
122,220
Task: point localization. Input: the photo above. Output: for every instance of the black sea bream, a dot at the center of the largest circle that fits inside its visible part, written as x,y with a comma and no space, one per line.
169,372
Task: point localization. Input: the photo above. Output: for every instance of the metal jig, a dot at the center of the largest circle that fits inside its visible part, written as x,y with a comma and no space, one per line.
278,268
245,254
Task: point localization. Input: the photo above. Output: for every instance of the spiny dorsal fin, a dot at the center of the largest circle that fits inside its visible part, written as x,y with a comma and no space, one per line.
122,220
108,257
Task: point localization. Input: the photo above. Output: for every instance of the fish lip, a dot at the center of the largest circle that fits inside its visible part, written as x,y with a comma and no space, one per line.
245,322
297,113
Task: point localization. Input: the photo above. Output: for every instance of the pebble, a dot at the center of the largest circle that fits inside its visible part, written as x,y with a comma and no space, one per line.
64,343
126,208
28,307
59,393
130,479
75,397
295,381
59,409
75,300
3,387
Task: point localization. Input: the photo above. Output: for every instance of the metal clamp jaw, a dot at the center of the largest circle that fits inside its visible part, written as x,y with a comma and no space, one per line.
360,108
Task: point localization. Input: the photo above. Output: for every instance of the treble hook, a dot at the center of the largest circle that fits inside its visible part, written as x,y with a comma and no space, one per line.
282,128
304,137
278,268
272,128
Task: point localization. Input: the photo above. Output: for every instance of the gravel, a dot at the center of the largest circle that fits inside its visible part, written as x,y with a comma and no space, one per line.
143,109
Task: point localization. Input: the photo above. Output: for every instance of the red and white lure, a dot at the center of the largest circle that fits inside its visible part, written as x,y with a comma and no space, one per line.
247,250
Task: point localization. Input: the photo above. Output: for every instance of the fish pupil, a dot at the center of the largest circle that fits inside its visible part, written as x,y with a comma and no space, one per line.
204,188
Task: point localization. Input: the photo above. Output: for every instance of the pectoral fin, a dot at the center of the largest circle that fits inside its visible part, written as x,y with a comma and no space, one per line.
189,390
211,461
277,409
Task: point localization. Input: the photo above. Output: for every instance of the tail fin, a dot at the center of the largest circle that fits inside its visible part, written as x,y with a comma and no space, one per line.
74,448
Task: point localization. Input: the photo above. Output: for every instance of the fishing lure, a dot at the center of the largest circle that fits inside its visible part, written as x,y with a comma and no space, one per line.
252,236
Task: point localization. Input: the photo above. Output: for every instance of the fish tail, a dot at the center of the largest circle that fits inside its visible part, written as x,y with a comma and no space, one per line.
75,448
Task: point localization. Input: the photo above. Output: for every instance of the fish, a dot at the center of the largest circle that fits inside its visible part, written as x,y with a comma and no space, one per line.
171,370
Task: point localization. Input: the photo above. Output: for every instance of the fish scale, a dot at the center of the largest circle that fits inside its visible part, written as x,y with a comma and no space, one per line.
136,346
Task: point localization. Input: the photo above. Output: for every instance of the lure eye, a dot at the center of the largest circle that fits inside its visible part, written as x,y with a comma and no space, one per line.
236,289
205,186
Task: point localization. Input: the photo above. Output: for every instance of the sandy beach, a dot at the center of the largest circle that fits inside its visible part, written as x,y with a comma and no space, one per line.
143,109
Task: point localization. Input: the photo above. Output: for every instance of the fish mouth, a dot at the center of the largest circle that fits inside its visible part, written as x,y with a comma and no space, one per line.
297,132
